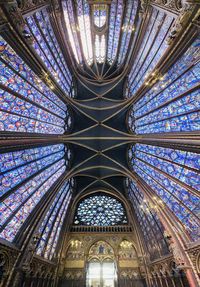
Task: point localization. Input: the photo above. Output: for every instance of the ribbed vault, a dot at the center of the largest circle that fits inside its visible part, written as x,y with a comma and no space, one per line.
99,97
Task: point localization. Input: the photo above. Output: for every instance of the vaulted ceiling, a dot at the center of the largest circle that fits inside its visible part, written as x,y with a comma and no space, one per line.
115,50
103,33
98,76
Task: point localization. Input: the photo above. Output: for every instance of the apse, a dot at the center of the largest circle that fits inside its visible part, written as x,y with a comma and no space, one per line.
99,143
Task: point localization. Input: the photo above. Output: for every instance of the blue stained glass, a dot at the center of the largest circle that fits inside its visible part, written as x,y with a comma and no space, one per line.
150,224
173,103
128,27
32,85
15,105
23,193
184,175
183,123
42,49
174,190
16,158
100,15
186,82
100,210
185,105
33,191
70,21
22,106
55,42
62,70
53,239
143,45
14,123
14,177
171,80
162,186
115,43
188,159
19,85
48,225
83,13
116,11
151,51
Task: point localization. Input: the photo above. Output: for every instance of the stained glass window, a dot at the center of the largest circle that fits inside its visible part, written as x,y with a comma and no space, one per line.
100,48
103,23
151,50
174,177
47,47
151,227
100,15
26,176
24,164
26,103
127,28
173,103
100,210
52,223
116,12
70,22
83,11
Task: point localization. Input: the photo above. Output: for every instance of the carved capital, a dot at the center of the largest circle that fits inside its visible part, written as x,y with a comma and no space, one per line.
4,264
56,6
196,19
2,16
175,250
17,20
181,21
194,254
30,4
143,6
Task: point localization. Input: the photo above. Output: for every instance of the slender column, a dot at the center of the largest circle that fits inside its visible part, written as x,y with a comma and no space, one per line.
38,282
177,281
160,280
157,281
12,141
184,141
172,279
166,282
151,279
181,281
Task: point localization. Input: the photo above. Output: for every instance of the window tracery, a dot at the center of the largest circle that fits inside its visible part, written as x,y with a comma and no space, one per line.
100,210
83,12
103,27
101,265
